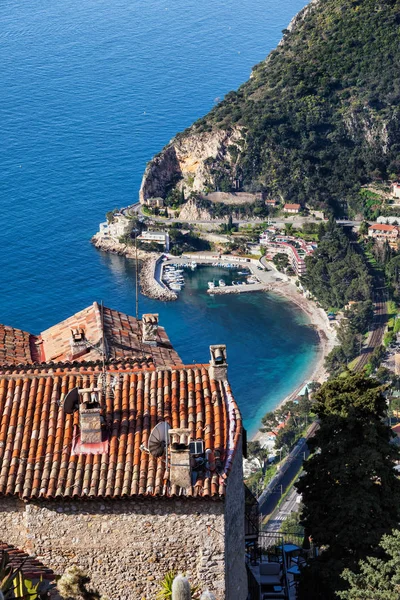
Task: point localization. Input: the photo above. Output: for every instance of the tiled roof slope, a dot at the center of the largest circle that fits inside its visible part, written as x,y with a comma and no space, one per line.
30,566
121,333
15,346
36,437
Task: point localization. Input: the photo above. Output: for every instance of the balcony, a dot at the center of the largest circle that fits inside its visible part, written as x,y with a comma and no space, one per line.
273,565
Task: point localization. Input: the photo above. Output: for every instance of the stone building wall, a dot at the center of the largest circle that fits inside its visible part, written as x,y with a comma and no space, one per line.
125,546
13,528
236,576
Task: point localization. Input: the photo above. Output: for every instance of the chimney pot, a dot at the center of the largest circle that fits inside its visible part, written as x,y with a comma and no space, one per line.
180,460
150,329
218,364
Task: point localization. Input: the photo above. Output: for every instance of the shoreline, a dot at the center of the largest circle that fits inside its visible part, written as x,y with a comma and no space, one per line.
327,340
274,284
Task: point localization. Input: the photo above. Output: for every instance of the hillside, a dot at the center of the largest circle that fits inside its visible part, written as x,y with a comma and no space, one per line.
316,120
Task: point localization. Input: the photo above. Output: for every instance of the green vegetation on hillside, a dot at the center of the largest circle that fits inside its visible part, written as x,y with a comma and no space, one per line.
320,117
336,272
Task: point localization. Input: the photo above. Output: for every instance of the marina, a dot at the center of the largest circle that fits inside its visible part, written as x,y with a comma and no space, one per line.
240,278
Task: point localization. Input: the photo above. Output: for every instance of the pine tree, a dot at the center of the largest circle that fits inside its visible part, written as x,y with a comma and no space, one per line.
379,578
350,491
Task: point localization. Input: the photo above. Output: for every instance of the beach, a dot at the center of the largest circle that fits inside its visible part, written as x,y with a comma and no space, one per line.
327,340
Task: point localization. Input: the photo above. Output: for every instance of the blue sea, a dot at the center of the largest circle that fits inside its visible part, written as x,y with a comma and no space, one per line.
90,91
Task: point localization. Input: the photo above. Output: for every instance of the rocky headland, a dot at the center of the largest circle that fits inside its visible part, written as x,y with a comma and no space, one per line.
315,122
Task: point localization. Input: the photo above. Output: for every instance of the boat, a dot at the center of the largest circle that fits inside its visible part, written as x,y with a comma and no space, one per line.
175,287
193,264
221,283
211,285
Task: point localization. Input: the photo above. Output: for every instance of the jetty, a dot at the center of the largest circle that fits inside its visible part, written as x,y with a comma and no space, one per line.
239,289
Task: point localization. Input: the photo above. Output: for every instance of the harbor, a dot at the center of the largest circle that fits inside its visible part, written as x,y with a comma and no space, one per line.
243,274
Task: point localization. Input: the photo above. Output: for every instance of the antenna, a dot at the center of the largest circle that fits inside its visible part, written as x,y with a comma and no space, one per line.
158,439
71,401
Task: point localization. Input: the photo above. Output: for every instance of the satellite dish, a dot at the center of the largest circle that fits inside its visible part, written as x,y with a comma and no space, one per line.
71,401
158,439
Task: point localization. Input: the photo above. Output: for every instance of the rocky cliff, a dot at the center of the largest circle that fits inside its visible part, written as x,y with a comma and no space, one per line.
317,119
188,161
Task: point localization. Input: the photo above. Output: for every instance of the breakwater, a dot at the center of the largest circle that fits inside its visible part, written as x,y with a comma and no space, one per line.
239,289
150,281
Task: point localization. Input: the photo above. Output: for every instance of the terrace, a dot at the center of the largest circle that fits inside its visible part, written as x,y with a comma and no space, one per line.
273,565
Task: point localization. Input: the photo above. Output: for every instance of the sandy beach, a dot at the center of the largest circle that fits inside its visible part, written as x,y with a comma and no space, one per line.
319,321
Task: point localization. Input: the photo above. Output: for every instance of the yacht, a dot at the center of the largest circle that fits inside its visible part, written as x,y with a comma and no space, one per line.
221,283
211,285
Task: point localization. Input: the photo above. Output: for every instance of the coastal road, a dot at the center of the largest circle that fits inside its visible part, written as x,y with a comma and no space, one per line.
136,209
270,497
289,505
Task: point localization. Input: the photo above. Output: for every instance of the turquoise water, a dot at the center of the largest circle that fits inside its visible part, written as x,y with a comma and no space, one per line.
91,90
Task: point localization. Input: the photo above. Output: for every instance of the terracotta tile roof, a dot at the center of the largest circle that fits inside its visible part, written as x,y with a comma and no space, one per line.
16,346
292,207
30,566
36,436
121,334
382,227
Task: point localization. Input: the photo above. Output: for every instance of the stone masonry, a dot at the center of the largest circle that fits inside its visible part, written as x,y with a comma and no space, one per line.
126,547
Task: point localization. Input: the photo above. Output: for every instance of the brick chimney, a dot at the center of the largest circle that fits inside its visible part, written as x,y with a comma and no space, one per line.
218,364
150,329
78,343
180,467
90,418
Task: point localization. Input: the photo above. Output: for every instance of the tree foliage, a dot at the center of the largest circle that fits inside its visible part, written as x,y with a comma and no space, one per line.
336,272
319,117
350,491
378,578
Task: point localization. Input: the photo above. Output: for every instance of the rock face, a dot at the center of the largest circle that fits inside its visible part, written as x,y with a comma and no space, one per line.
187,159
192,212
318,118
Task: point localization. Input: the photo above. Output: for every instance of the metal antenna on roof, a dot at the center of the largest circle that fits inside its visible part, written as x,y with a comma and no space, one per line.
136,231
103,339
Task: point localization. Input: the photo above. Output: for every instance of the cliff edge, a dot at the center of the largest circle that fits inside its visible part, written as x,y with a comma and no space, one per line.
318,118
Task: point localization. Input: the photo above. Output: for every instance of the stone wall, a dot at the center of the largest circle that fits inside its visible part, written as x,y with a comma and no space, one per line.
236,576
13,529
126,547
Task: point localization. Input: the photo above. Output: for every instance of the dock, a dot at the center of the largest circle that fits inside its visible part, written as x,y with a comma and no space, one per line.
238,289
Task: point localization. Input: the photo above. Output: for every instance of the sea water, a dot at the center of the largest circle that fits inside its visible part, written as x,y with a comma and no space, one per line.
90,91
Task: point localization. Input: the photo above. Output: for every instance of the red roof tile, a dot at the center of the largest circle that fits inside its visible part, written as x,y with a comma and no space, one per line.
382,227
16,346
36,436
120,334
292,207
30,567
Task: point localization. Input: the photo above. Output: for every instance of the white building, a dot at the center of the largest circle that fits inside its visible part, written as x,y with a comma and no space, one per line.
116,229
158,237
395,189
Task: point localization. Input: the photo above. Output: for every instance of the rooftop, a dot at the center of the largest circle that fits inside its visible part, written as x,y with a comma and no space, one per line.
37,438
30,566
99,331
292,206
382,227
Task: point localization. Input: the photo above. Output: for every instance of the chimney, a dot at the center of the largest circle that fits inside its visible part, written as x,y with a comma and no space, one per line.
90,419
78,343
218,364
150,329
180,467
